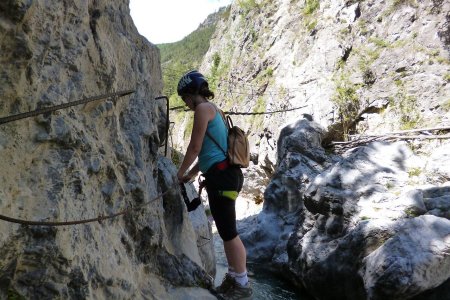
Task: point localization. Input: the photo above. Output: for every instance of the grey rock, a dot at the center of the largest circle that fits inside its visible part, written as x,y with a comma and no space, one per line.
324,221
395,270
414,203
265,236
438,165
91,160
387,53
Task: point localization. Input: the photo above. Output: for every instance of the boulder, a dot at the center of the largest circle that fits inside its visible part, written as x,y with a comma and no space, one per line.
365,238
415,259
265,235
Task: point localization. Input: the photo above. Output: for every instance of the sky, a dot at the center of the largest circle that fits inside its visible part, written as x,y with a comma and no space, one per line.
167,21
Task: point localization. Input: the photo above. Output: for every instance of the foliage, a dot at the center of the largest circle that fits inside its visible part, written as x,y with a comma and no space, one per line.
253,34
362,24
390,185
311,25
189,126
14,295
434,52
369,77
340,64
220,65
311,6
179,57
407,107
442,60
409,116
176,100
414,172
218,73
260,105
227,12
446,105
367,57
171,73
379,42
213,77
398,3
247,5
190,49
447,77
177,158
347,102
411,212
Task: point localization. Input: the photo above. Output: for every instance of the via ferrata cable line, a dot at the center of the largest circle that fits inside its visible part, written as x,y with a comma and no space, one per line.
44,110
99,219
247,113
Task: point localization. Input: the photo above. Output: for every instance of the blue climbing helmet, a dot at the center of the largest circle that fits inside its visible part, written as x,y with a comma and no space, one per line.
190,83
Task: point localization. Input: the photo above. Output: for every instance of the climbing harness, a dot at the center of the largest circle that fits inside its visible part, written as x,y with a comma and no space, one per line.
44,110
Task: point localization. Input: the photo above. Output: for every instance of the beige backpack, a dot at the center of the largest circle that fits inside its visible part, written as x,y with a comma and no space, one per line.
238,145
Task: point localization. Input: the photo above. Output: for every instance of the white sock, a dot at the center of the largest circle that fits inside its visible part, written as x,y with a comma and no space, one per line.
231,272
241,278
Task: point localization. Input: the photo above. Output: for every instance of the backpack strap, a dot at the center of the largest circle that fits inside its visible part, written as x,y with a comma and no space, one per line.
215,142
226,125
226,120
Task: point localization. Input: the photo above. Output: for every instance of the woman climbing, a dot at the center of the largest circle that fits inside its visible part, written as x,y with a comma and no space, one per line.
223,181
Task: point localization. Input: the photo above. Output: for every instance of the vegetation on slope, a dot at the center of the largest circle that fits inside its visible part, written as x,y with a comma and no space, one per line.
179,57
187,54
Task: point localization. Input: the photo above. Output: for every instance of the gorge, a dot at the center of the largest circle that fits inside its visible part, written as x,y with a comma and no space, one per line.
340,220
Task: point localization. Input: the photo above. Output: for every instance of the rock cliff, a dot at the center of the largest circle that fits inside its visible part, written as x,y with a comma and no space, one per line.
90,160
353,66
372,223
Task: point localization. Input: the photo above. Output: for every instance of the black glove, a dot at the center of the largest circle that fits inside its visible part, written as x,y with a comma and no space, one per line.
191,205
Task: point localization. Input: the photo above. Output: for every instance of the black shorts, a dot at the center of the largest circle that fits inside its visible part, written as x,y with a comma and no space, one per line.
222,186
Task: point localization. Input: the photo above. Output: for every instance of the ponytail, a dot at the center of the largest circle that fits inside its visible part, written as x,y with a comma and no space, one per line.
205,91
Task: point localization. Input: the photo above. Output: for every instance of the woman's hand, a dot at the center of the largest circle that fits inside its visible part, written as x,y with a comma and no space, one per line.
185,178
180,177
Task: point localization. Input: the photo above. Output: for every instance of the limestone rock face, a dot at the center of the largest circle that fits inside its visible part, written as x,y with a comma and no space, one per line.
266,235
366,66
354,227
361,216
412,261
335,68
370,224
90,160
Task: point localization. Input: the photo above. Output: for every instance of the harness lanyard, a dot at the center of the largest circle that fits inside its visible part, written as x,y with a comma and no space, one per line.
192,205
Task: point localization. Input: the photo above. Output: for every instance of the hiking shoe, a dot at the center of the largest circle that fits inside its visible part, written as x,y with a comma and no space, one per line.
238,292
227,282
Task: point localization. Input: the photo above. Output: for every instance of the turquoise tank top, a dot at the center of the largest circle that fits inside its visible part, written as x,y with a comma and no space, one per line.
210,152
